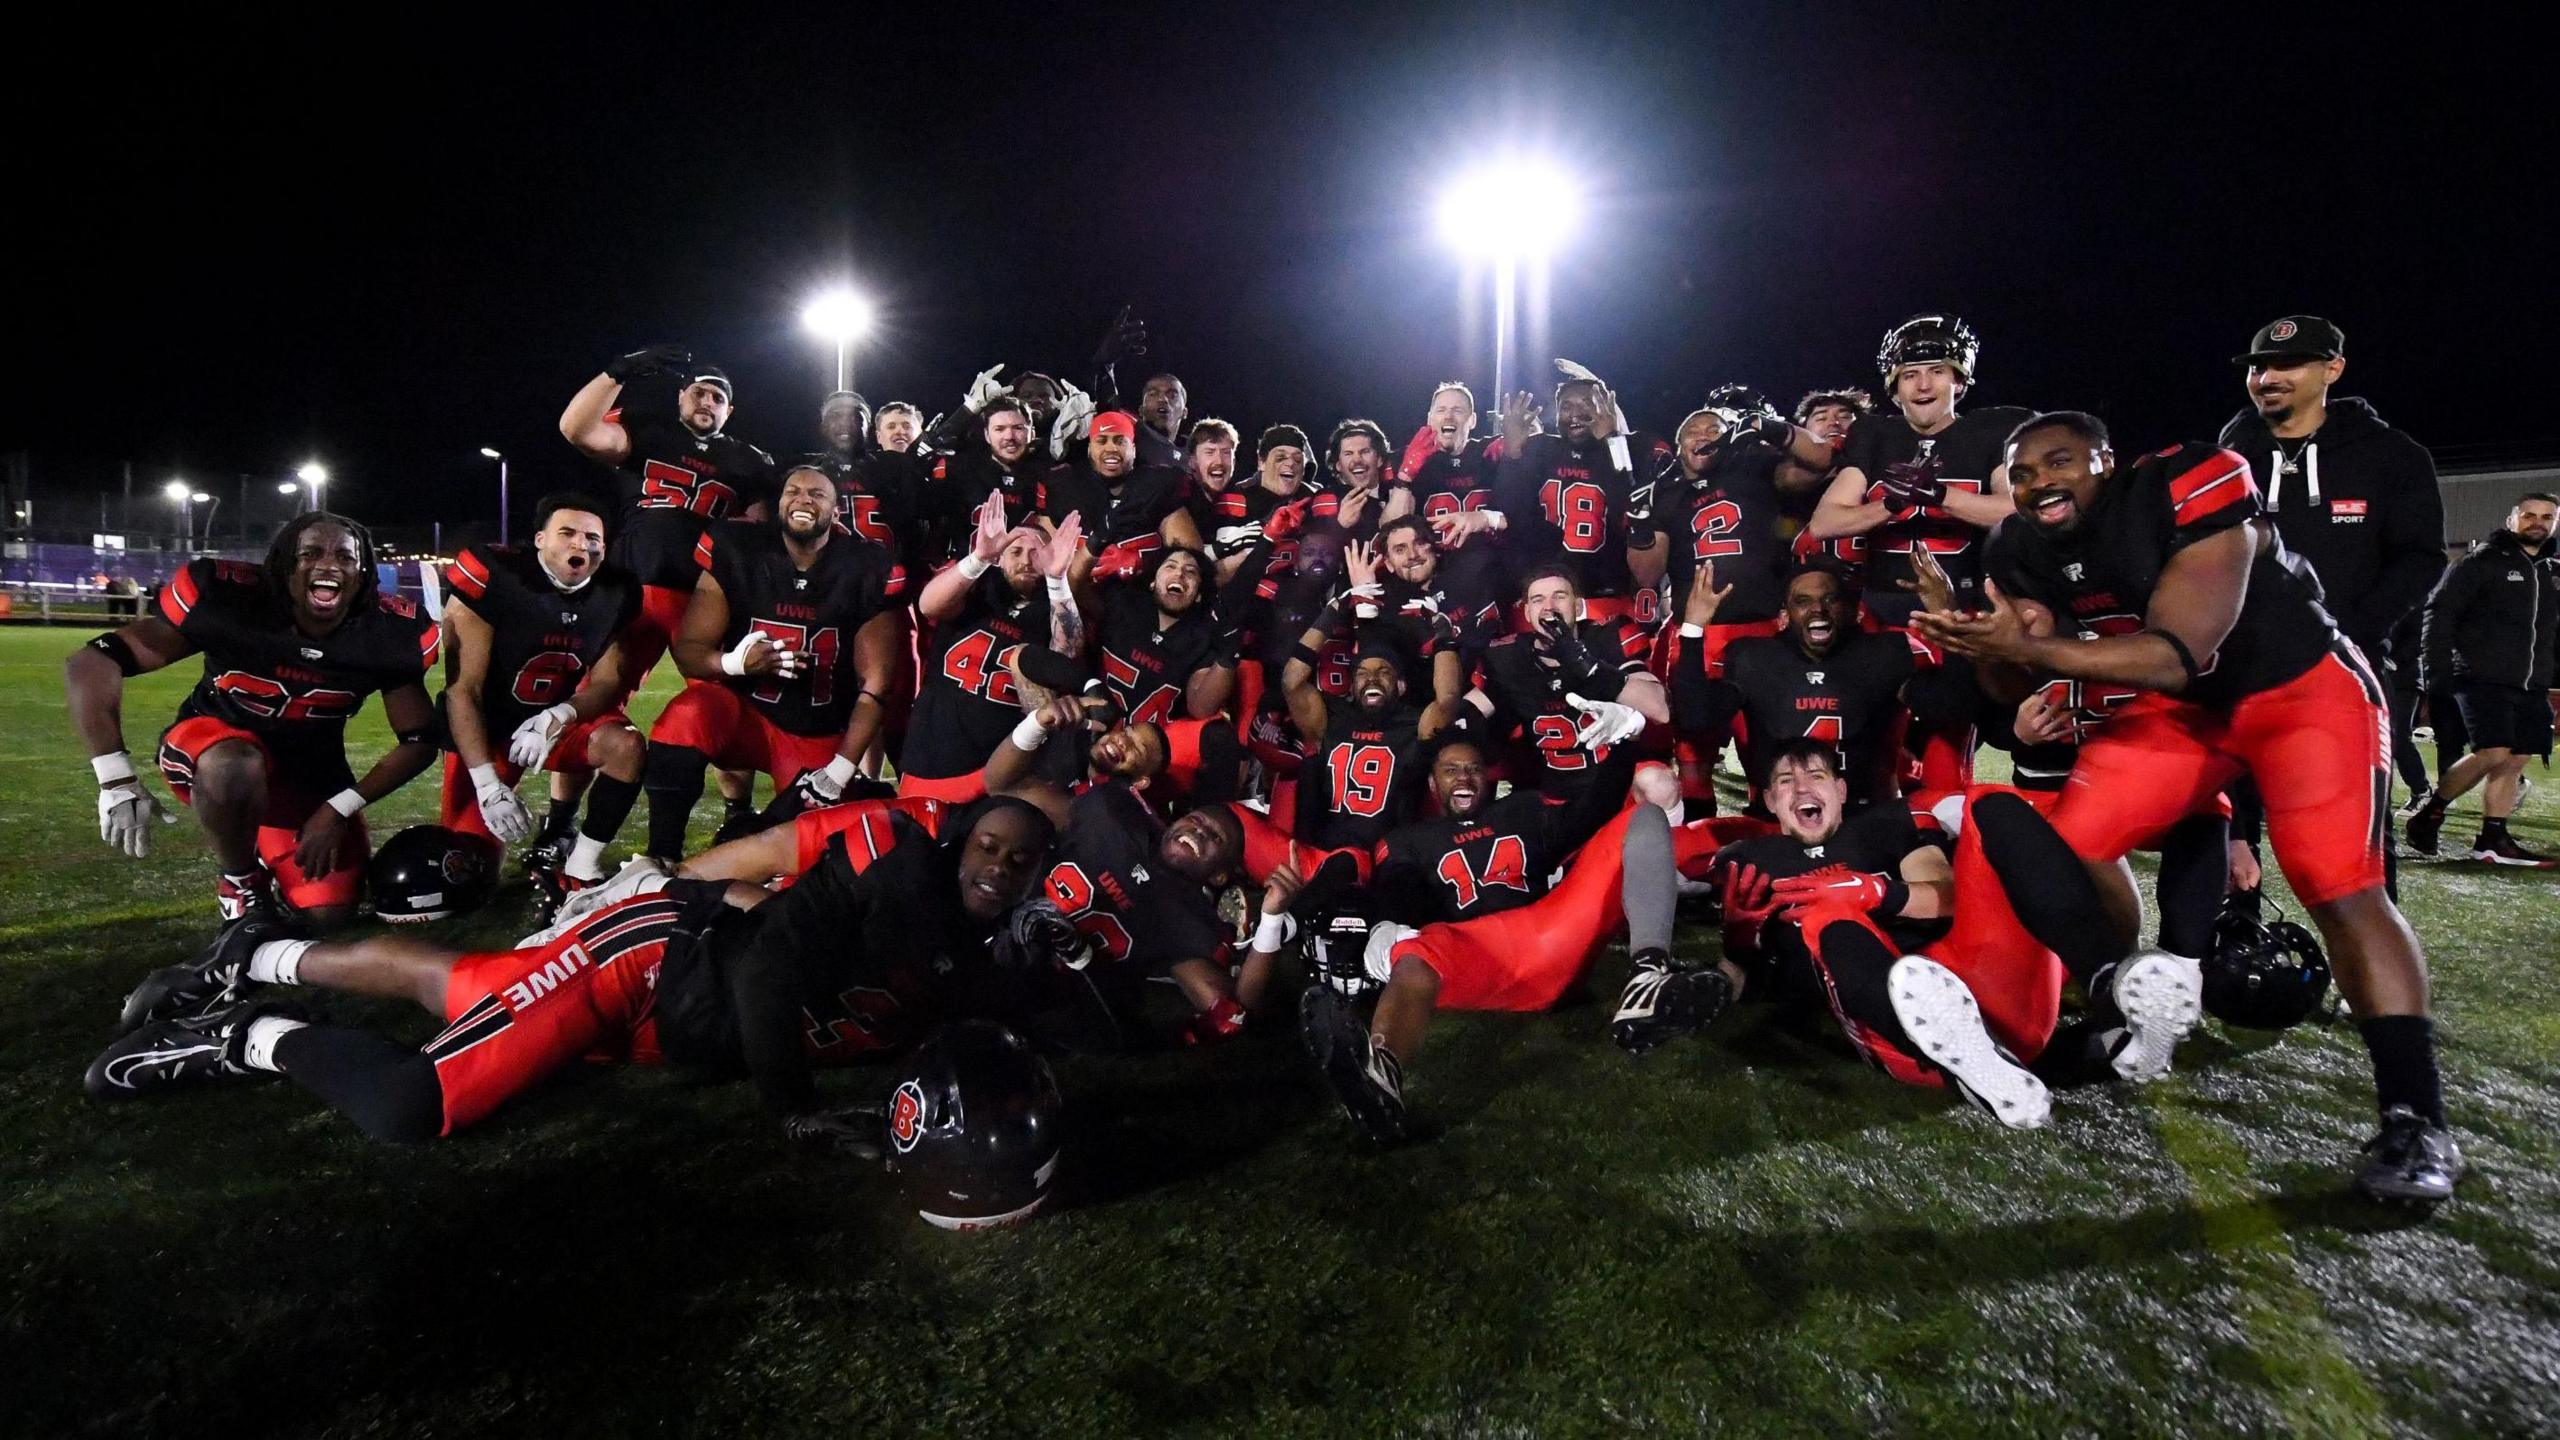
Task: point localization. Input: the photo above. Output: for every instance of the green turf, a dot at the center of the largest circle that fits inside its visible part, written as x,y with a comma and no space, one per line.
1745,1234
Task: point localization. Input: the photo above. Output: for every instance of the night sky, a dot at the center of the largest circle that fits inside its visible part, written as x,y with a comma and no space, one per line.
409,233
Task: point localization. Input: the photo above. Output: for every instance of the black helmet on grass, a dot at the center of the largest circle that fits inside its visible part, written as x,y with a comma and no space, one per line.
974,1128
2265,975
428,872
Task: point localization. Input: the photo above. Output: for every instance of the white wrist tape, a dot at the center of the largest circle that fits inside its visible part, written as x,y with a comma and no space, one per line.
1692,632
971,567
347,802
1030,734
1273,932
841,770
483,776
112,769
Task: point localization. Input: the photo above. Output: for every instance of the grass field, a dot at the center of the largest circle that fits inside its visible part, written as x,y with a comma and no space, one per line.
1746,1234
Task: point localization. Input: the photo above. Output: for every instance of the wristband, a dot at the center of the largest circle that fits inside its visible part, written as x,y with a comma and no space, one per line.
113,768
347,802
971,567
732,663
1060,590
1273,932
1692,632
1897,897
1495,520
482,777
2186,657
1030,734
841,770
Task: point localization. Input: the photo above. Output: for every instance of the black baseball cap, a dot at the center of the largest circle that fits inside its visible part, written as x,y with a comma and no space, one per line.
2295,337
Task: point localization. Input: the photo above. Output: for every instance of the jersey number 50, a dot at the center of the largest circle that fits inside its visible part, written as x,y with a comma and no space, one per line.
673,487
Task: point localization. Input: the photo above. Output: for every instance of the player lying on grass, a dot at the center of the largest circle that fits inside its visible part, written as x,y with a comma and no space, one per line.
259,748
861,957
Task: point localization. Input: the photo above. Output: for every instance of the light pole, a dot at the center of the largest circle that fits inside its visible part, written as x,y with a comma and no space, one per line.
1510,210
313,475
201,498
502,490
184,497
840,317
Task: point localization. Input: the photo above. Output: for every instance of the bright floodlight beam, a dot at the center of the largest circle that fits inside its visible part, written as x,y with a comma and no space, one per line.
312,473
840,317
1513,210
174,490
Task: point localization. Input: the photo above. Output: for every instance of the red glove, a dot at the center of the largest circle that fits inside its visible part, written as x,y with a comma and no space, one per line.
1855,888
1749,898
1286,521
1417,451
1119,562
1223,1020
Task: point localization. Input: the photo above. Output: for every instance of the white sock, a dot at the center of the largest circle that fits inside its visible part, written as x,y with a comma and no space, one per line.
278,962
586,859
259,1053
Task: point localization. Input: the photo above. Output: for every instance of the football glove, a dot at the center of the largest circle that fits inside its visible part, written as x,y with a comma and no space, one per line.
984,389
1605,722
1875,894
1749,898
655,357
1223,1020
1564,641
1127,336
125,812
855,1130
1075,415
500,810
1231,538
824,785
531,743
1286,521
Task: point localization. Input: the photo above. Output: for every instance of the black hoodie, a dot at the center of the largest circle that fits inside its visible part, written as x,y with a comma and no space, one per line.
2360,505
2494,617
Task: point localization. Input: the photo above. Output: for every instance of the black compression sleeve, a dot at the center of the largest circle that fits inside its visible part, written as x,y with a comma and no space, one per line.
388,1089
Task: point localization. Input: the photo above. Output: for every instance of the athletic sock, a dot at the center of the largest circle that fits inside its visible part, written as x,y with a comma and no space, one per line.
389,1090
2404,1064
258,1050
2493,828
674,782
278,962
1649,880
559,820
586,859
2195,865
609,803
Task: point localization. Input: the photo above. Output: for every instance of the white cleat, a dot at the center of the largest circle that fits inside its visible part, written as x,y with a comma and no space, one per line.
1938,1012
2162,997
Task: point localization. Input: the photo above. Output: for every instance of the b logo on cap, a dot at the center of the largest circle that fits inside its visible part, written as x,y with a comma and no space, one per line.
906,1116
2283,330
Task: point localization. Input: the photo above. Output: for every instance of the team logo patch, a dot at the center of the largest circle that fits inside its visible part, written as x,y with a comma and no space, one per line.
2283,330
461,865
2348,509
1813,677
906,1116
2074,570
309,653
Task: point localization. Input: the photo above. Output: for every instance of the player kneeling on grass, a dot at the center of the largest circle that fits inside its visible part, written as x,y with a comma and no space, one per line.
291,648
859,958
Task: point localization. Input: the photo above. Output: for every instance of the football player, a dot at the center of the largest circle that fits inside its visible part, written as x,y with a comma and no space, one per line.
1361,776
1014,587
859,958
896,427
1449,469
676,477
1567,680
1827,415
1163,653
2164,585
1583,497
533,653
1139,892
291,648
1128,510
788,648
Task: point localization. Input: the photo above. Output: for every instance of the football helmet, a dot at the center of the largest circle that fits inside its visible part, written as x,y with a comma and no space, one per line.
1929,339
973,1128
2266,975
428,872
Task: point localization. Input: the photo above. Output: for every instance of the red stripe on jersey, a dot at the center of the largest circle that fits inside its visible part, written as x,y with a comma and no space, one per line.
2221,481
897,583
1634,644
470,575
178,596
431,644
702,550
1928,655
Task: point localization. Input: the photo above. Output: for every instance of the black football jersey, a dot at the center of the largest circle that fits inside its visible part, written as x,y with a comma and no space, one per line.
1503,858
1566,501
2099,579
1132,909
1962,457
1449,484
876,500
294,692
966,701
956,485
1146,667
1134,510
1530,694
1851,698
1730,517
1364,780
674,483
542,640
818,610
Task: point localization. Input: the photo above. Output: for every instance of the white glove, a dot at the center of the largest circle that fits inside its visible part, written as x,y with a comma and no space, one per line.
1075,416
1229,537
983,389
532,742
639,876
1605,722
735,661
125,808
825,785
1572,371
500,810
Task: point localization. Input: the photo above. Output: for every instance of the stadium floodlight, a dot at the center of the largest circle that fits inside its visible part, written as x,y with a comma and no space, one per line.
313,475
1509,210
199,497
489,454
840,317
290,487
175,490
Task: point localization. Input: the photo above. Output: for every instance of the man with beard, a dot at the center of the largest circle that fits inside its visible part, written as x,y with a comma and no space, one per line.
1006,461
1418,588
1356,499
1209,471
1360,776
291,648
1819,677
1576,686
860,958
1129,510
1139,894
1583,497
1012,588
677,477
1162,649
789,647
1069,743
2178,595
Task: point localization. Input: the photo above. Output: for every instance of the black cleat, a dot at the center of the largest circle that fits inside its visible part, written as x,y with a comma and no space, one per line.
208,982
2503,850
551,890
1663,1002
737,822
1364,1076
548,853
174,1054
2410,1160
2416,802
2424,830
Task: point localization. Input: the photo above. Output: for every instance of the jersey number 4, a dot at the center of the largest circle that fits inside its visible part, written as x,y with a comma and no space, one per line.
673,487
1506,865
975,665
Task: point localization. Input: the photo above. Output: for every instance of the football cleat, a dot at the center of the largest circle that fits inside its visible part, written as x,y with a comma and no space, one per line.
2416,802
548,853
2505,851
234,901
2424,830
2410,1160
1363,1075
1939,1014
552,889
1663,1002
210,981
737,822
2161,996
172,1054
